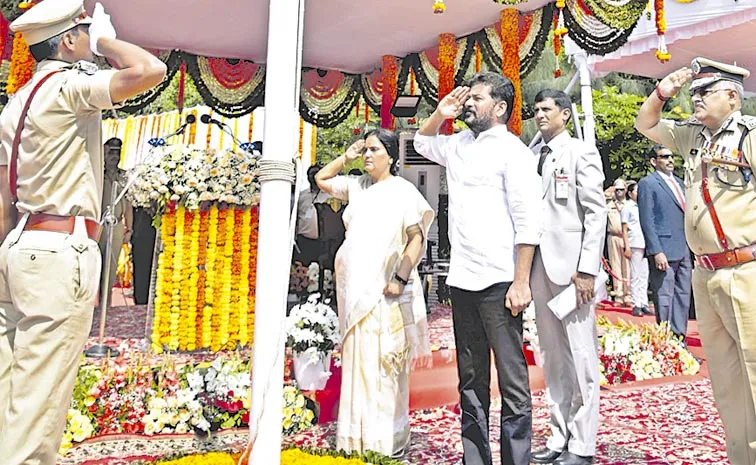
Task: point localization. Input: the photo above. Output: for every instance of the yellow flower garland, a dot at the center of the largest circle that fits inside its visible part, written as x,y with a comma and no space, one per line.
288,457
205,280
22,64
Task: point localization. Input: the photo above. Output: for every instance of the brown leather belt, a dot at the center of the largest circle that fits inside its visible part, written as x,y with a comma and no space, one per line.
727,258
63,224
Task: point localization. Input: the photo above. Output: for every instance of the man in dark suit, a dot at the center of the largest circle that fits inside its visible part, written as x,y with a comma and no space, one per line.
661,203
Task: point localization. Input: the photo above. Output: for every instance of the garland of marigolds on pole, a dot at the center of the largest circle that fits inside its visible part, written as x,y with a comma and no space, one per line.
662,54
447,54
22,62
389,90
510,64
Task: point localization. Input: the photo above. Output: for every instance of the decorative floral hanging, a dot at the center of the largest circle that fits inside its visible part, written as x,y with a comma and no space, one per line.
232,87
589,33
662,54
327,97
172,60
439,7
389,90
557,44
21,66
182,83
510,63
619,14
447,54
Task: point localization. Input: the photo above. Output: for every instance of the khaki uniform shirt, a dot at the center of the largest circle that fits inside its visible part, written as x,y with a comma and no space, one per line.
60,158
734,199
614,219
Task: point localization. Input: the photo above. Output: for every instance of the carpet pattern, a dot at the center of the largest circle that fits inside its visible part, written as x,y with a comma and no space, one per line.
669,424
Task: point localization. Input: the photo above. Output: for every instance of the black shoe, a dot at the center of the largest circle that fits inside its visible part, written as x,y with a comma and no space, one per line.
647,311
637,311
545,455
568,458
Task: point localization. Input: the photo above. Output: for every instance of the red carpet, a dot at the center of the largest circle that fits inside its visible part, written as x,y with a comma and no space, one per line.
668,421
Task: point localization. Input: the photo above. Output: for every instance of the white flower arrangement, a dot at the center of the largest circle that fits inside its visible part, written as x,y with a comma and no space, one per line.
191,175
312,327
313,276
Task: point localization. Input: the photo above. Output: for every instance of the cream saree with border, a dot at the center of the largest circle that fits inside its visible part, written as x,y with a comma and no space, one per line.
381,335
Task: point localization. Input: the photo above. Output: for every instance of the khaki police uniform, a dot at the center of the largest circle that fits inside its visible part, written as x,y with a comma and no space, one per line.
615,244
49,276
725,296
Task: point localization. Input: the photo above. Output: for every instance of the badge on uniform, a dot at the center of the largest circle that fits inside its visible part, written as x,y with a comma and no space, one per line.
87,67
562,181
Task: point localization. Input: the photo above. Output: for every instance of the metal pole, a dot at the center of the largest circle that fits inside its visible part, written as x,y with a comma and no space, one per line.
283,73
586,97
101,350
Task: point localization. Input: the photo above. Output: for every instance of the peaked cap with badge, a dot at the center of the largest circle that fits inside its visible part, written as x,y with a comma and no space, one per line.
49,18
706,72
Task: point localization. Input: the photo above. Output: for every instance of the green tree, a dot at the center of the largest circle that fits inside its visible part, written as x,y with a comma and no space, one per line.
334,141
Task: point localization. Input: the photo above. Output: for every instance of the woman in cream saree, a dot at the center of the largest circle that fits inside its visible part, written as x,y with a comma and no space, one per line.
379,294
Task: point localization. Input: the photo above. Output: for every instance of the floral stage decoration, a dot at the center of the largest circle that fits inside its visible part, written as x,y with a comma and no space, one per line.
206,204
628,352
312,333
133,395
288,457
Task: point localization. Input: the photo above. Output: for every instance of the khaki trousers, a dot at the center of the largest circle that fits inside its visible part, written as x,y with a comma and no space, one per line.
48,283
726,312
620,267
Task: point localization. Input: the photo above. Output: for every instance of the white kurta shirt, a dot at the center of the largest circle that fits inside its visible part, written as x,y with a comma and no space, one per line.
631,217
494,202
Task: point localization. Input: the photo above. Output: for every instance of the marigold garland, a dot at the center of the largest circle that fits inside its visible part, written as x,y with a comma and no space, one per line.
21,66
389,76
205,279
439,7
447,54
662,54
510,64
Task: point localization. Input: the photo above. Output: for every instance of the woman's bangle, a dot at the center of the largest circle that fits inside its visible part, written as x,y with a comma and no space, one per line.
661,97
401,280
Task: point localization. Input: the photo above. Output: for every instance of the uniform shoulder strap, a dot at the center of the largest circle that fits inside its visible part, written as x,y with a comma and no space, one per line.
13,169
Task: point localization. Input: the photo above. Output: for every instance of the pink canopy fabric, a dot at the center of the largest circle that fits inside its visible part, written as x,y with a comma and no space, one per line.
723,30
345,35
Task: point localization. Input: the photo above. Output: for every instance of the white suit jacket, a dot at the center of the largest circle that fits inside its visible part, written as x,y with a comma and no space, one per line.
573,228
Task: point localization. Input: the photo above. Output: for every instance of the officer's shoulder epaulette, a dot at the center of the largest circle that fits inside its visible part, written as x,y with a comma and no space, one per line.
692,121
86,67
748,121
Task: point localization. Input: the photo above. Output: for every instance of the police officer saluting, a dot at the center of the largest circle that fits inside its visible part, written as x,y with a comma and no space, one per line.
718,145
51,170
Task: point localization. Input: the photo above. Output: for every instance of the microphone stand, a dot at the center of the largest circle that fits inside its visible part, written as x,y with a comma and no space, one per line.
101,350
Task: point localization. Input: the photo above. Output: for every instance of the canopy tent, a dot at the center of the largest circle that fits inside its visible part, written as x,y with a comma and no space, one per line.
344,35
722,30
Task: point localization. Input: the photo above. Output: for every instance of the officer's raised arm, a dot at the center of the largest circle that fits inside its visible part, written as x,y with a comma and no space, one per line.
139,70
647,122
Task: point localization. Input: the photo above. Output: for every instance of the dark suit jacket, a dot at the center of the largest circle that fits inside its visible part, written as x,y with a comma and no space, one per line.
661,218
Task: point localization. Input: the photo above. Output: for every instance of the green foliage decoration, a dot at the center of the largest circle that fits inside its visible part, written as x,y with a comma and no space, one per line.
618,16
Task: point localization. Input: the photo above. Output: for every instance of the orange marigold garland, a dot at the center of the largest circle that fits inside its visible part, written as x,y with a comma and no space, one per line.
662,54
201,275
21,66
447,55
252,279
244,284
559,32
219,307
510,63
389,72
207,312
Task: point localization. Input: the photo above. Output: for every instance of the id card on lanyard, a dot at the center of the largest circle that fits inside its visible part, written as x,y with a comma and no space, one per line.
562,183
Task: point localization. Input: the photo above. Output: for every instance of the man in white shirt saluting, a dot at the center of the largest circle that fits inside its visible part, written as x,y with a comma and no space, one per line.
569,253
494,227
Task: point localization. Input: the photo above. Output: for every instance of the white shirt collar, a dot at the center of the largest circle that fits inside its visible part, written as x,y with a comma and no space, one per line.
559,141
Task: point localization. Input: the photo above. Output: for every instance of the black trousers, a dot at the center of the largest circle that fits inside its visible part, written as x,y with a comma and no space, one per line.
482,323
142,248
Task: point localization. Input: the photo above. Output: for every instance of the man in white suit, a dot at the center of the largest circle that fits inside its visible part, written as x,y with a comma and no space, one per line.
569,254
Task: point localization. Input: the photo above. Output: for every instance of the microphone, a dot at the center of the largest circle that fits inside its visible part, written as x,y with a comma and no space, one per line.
246,146
160,141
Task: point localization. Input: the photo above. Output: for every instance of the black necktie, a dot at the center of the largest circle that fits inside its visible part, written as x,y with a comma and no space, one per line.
545,150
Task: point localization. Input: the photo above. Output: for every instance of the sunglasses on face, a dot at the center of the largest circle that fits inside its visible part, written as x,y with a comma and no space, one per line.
665,157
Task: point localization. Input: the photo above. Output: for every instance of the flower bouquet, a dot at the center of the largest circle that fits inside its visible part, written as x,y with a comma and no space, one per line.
628,352
312,333
189,175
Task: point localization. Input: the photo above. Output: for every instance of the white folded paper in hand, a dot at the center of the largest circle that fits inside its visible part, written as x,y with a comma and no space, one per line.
564,302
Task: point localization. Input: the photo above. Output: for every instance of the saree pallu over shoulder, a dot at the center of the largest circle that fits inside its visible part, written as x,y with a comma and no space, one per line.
376,221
